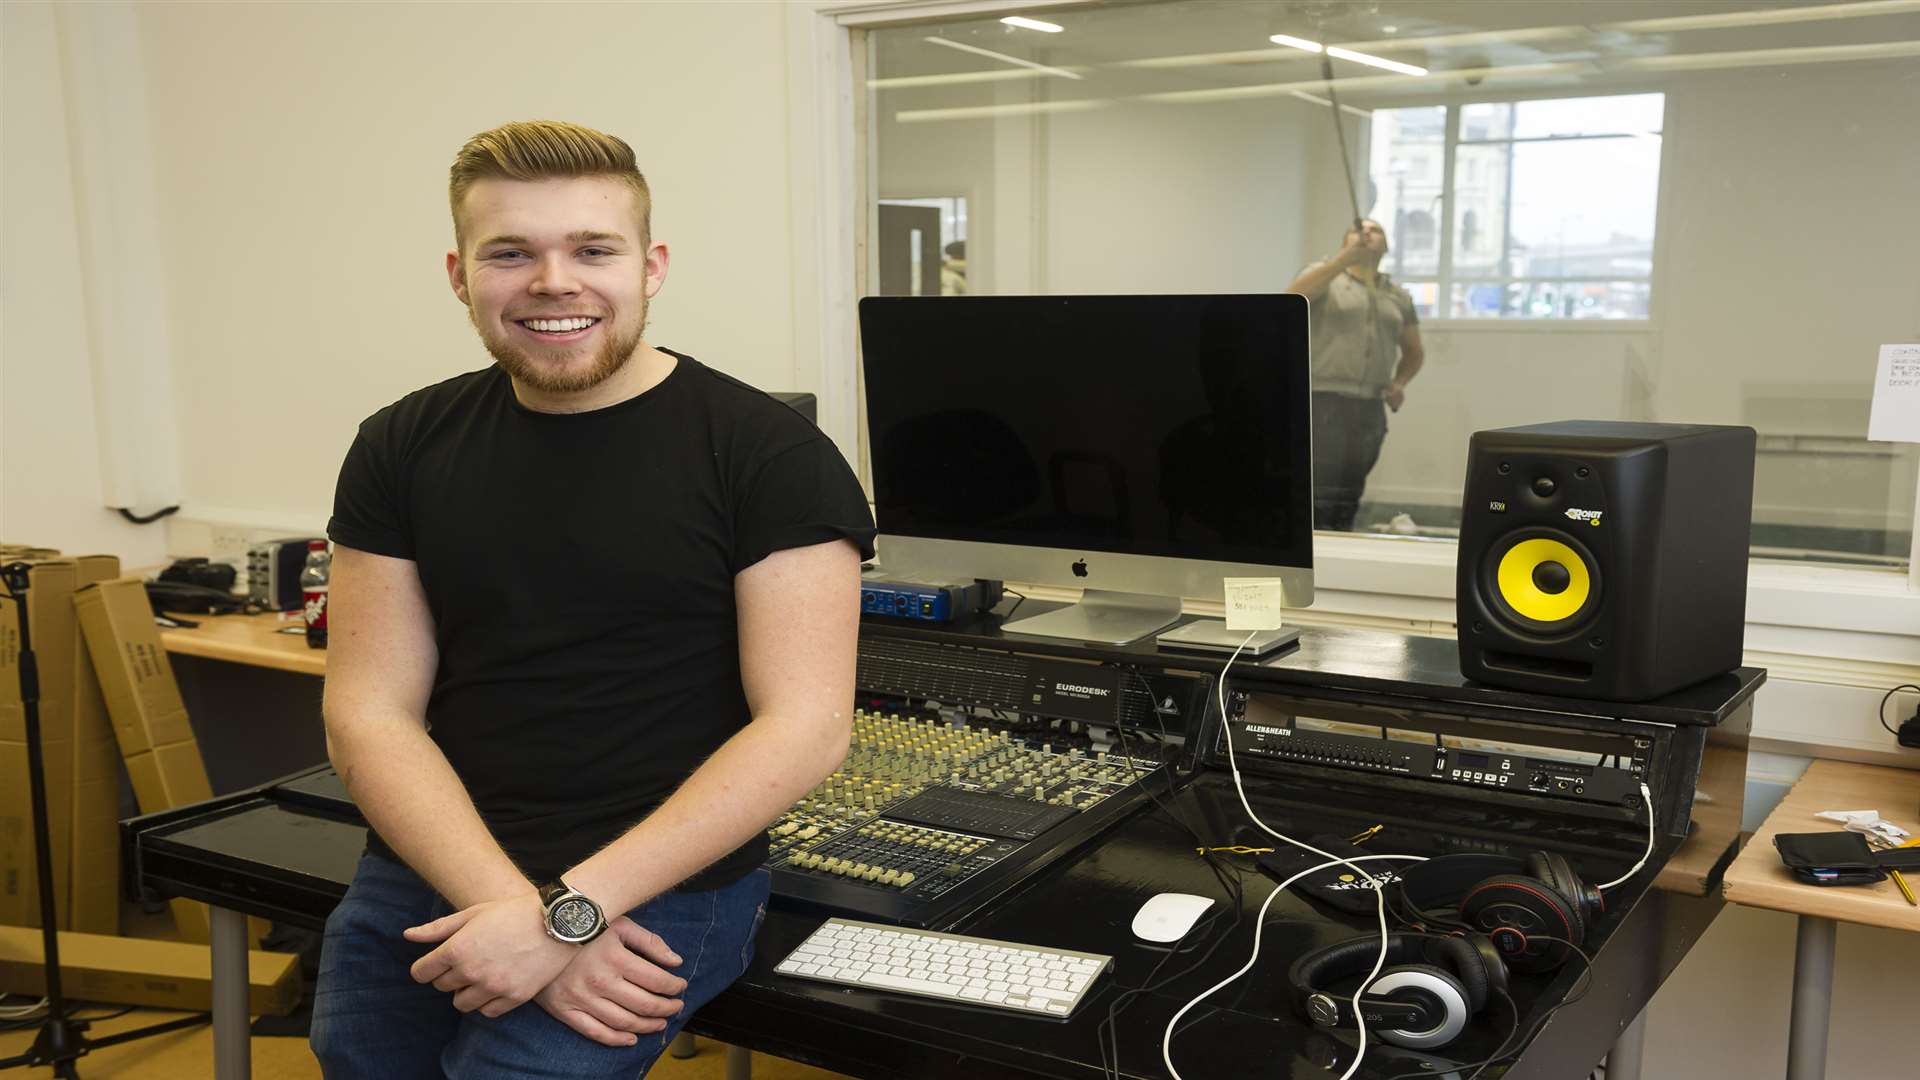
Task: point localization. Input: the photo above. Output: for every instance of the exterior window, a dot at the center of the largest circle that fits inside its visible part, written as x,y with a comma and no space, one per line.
1553,204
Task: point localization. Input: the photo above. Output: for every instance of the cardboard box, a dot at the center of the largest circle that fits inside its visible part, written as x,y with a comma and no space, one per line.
93,886
134,971
51,621
150,723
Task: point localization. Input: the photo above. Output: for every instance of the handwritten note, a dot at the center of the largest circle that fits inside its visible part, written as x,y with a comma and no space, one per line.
1896,396
1253,603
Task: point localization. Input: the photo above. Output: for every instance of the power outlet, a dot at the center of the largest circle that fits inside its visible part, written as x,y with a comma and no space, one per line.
229,543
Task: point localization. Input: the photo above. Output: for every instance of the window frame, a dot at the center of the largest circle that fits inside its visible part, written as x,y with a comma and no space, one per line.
1443,278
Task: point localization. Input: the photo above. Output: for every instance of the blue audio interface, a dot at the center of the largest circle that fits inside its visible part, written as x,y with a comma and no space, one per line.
925,601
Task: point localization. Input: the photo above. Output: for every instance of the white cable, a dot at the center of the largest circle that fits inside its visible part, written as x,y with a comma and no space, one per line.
21,1012
1646,797
1166,1042
1379,889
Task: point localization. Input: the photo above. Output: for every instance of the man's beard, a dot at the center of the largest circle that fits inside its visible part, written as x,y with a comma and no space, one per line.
613,355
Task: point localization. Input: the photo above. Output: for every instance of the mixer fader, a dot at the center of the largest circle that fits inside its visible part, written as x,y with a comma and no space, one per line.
926,820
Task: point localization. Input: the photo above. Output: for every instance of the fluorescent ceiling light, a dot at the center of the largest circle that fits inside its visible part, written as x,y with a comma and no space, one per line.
1368,59
1810,54
1371,82
957,78
1002,57
981,112
1025,23
1773,17
1374,61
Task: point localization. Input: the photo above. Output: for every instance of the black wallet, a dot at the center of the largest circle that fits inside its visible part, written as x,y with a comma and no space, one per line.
1829,858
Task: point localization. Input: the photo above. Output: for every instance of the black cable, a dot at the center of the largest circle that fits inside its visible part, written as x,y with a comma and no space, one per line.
1883,706
148,519
1020,598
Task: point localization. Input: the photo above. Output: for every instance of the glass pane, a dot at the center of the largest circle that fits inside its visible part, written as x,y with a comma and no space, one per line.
1425,295
1584,208
1490,120
1167,146
1550,300
1409,161
1634,114
1481,176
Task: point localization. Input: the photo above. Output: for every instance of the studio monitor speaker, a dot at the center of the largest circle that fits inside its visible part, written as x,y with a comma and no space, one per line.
1604,560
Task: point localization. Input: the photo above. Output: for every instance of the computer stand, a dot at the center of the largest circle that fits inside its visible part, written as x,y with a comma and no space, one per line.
62,1040
1103,616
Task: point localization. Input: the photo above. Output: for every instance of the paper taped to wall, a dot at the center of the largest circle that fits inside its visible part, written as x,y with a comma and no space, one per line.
1896,396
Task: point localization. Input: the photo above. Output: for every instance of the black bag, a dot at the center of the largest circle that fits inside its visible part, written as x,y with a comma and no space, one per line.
181,598
1829,858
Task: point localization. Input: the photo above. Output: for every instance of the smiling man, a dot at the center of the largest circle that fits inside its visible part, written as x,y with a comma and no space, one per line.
593,624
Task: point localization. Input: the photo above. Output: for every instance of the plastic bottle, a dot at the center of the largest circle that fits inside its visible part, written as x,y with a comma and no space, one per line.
313,592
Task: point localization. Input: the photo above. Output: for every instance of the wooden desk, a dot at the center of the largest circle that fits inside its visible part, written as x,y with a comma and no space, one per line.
1757,879
247,639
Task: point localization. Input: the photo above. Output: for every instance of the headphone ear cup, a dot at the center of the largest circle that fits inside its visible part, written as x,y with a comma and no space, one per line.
1460,956
1531,907
1439,989
1556,871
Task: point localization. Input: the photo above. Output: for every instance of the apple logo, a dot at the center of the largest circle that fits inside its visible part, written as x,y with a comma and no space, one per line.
1080,568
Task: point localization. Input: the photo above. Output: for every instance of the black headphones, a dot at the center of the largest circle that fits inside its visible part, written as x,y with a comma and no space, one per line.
1517,903
1431,986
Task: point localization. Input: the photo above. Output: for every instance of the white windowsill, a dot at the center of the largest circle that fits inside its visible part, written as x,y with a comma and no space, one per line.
1542,326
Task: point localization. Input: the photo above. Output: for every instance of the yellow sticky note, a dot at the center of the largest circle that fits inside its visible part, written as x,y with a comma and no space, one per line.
1253,603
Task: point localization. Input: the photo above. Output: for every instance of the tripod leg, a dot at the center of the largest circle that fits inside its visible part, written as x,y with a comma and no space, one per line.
232,1041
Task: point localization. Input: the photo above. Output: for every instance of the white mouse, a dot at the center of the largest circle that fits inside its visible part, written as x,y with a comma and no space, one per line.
1168,916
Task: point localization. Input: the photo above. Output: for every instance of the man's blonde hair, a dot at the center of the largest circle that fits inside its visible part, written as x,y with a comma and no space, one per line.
547,150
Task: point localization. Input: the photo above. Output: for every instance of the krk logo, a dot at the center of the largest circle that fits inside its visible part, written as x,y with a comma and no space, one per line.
1591,517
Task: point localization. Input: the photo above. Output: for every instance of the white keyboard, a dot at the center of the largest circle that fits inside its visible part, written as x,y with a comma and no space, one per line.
961,970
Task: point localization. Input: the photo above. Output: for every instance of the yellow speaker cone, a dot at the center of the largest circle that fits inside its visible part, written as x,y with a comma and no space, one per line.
1531,567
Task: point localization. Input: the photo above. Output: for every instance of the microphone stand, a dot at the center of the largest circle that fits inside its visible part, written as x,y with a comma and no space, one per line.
62,1039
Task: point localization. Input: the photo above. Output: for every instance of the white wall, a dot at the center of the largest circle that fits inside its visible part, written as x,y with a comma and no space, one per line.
302,159
300,153
50,458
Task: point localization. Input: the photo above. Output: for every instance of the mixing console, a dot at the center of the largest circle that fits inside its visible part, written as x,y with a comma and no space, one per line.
925,820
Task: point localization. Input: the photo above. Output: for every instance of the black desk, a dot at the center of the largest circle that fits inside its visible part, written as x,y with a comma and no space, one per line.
272,852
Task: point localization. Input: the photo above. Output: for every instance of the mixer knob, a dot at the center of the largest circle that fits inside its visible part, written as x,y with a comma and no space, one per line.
906,879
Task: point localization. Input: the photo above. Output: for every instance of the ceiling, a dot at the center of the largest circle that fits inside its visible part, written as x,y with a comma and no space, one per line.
1197,48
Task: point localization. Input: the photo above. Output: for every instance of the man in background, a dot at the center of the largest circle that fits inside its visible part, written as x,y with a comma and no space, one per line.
1366,349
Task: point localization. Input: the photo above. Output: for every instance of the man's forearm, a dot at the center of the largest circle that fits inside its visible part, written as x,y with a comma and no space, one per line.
402,783
754,776
1313,281
1411,360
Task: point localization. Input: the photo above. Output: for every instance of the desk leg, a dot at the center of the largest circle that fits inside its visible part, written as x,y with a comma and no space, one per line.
232,1041
1623,1058
1812,999
739,1063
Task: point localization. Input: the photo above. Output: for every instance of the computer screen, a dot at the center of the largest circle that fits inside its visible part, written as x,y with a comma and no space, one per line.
1147,445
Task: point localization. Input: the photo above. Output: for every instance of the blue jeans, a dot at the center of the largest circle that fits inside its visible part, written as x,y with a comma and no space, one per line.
1347,435
371,1020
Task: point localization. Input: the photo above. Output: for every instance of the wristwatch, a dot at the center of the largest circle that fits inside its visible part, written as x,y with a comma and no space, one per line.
570,916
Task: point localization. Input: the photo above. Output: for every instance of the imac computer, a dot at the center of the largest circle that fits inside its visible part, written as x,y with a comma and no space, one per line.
1142,448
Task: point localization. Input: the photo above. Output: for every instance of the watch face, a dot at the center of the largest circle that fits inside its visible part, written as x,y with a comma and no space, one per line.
575,918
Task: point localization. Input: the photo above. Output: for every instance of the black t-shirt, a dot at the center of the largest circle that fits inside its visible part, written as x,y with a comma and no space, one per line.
580,569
